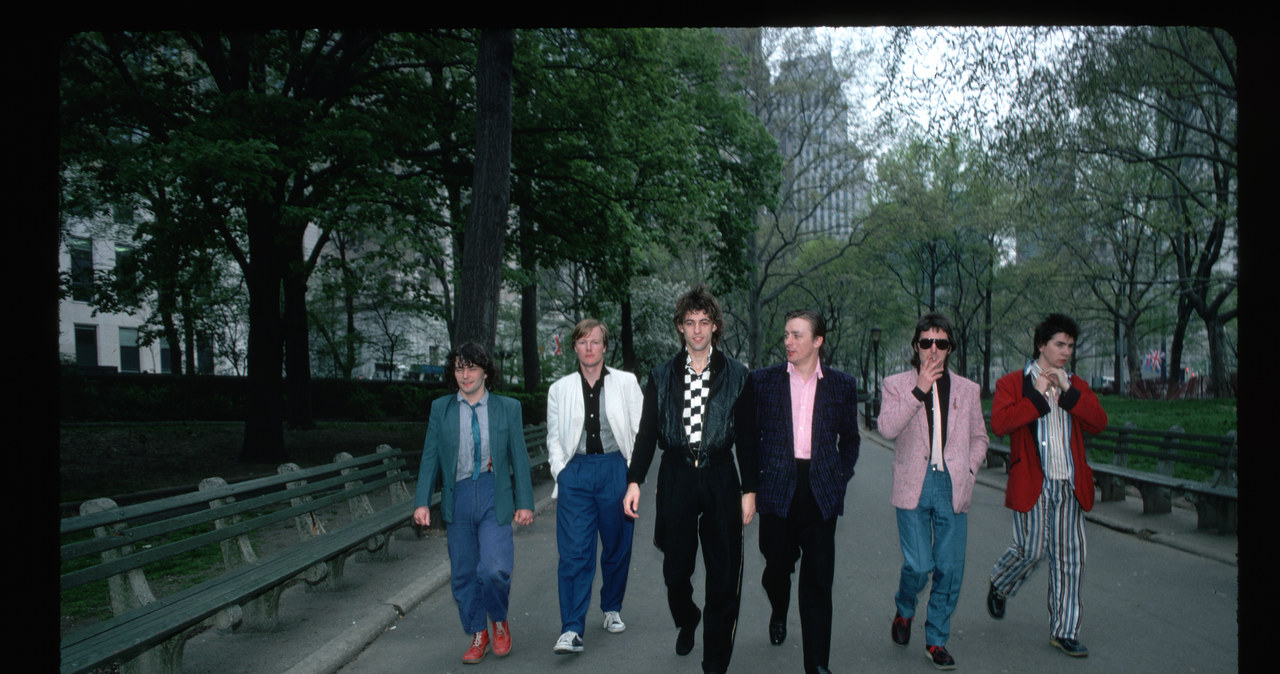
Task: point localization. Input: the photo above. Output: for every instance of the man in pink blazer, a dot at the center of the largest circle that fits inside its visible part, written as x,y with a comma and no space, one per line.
934,418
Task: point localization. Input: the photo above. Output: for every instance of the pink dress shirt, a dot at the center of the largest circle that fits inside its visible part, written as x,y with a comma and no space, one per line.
802,394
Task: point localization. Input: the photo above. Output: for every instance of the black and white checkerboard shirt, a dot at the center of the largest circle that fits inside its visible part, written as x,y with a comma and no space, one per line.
696,389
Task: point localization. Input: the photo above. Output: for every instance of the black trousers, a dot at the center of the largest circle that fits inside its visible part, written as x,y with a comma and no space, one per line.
702,505
805,537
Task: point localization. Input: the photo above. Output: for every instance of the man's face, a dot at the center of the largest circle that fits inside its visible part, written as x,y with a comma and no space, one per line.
799,341
1057,351
590,348
470,379
696,328
933,353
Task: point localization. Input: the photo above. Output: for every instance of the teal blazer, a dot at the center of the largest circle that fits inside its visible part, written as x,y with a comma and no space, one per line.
506,445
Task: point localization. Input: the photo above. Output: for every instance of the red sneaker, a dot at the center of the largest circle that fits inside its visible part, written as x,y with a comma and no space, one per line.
479,646
501,638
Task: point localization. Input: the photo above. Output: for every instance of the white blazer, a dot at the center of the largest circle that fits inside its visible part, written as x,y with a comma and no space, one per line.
566,414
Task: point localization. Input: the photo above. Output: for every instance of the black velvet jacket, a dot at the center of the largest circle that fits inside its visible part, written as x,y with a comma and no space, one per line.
662,425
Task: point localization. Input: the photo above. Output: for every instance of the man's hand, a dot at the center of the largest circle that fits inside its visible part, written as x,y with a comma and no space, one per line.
422,516
748,508
1060,378
1050,378
631,502
524,517
931,366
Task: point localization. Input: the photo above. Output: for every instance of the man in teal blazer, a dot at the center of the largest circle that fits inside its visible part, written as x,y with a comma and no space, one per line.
475,444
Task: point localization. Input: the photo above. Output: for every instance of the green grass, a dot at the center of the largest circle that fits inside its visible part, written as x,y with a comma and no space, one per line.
1202,417
1207,417
92,601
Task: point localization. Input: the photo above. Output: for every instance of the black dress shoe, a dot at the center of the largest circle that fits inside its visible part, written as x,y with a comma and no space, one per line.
684,640
777,632
901,629
995,602
1069,646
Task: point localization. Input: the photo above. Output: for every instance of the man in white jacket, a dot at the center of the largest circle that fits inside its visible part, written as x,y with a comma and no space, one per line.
592,419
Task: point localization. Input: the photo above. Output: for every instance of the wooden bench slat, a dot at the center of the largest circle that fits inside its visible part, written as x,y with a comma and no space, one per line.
80,523
205,514
126,635
143,557
169,619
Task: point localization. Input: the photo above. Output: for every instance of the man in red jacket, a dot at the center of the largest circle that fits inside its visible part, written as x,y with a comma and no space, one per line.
1044,410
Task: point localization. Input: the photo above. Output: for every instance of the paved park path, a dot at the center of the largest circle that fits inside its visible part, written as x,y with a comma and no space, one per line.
1159,597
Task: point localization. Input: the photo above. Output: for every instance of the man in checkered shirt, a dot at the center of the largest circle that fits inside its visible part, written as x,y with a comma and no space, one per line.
690,412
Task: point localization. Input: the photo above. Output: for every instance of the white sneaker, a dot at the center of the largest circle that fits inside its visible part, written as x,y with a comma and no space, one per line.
569,642
613,622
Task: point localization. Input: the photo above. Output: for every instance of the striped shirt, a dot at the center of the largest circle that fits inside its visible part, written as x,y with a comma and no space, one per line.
466,449
1053,432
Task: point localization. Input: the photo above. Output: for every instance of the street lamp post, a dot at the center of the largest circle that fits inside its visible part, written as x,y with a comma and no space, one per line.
873,406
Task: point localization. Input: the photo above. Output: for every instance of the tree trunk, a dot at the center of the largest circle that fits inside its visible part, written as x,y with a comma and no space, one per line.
531,360
626,336
171,337
264,405
297,344
482,253
1176,371
986,345
1117,369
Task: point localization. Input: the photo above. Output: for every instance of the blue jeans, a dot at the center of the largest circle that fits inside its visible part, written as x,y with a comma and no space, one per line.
933,539
481,555
589,503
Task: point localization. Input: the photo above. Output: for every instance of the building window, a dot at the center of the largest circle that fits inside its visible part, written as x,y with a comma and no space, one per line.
166,358
130,356
81,269
126,269
122,214
204,354
87,345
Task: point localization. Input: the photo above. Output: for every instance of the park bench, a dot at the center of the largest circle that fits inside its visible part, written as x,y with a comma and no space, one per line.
1216,498
118,544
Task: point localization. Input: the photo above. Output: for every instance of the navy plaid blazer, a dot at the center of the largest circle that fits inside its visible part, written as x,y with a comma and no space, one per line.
835,440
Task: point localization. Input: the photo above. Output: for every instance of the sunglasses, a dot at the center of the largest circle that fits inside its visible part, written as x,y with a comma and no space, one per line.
926,343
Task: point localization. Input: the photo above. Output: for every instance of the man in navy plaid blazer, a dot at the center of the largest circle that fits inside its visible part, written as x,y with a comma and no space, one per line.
805,429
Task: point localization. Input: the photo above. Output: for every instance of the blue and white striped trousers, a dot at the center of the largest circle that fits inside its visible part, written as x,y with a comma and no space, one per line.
1054,525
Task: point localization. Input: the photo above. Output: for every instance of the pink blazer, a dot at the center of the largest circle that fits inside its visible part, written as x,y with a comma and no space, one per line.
904,419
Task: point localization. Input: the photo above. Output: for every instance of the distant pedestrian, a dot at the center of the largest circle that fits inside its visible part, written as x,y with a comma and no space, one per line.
592,419
934,417
480,456
1045,411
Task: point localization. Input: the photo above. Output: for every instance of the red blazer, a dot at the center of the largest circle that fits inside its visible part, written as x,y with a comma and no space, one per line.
1014,412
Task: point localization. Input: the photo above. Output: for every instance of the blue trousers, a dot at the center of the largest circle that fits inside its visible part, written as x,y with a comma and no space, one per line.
933,538
481,555
589,505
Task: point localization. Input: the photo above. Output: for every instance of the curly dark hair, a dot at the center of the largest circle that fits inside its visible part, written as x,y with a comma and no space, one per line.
469,353
700,299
